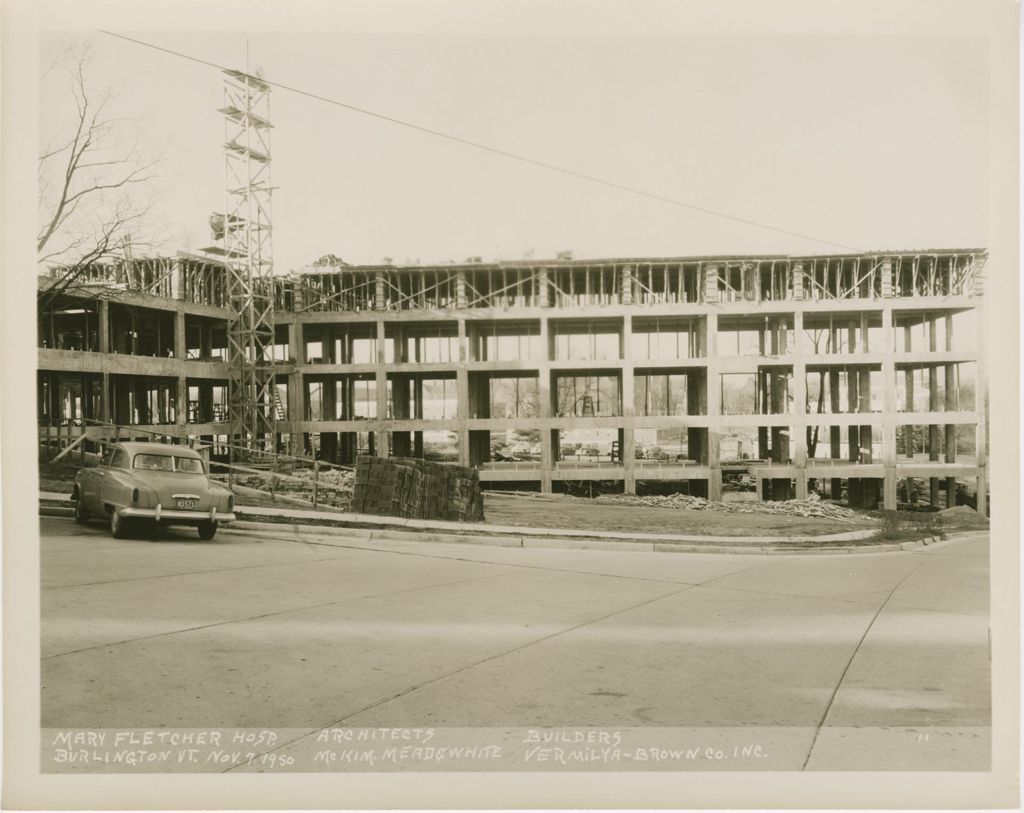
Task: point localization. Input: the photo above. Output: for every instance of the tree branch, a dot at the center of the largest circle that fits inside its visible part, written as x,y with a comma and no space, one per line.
90,181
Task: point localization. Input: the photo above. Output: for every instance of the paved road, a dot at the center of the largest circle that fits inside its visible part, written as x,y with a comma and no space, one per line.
874,661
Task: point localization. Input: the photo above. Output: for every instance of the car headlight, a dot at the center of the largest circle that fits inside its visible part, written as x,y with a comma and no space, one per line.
231,502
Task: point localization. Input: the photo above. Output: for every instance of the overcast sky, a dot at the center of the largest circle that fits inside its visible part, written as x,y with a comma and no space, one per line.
875,142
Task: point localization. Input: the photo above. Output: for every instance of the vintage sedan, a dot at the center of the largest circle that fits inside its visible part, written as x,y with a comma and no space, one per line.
151,482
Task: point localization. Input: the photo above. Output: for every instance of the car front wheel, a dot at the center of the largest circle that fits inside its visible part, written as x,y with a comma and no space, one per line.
207,530
118,525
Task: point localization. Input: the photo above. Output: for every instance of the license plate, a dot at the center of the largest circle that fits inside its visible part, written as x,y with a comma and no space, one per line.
184,505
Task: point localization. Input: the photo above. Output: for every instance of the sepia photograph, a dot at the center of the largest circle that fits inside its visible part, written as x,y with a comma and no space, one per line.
435,396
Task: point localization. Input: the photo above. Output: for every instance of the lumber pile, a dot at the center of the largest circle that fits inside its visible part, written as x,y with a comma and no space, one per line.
334,486
795,508
417,489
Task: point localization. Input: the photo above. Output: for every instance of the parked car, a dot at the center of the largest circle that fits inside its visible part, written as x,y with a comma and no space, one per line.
151,482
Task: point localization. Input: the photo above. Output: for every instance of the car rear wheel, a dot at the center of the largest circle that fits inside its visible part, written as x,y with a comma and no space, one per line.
81,515
207,530
118,525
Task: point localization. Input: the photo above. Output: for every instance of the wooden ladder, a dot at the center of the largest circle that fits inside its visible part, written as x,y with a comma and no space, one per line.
279,412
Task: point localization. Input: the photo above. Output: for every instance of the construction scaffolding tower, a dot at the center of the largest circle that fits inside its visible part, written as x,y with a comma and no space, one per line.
248,250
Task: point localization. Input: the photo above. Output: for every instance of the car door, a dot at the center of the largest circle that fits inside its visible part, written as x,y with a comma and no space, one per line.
107,474
89,484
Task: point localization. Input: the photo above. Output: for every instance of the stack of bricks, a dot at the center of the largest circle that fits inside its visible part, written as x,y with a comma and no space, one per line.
417,489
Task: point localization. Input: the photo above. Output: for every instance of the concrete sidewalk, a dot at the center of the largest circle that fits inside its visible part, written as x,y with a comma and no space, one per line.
371,526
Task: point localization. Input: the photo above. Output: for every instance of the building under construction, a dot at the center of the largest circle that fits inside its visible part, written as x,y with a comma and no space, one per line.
860,377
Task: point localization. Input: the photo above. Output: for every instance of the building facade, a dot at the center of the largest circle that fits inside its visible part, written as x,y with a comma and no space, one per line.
860,377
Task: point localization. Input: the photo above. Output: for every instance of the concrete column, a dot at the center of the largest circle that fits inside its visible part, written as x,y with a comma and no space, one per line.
628,437
800,408
547,454
180,342
296,388
887,280
711,283
296,348
104,326
950,429
382,440
835,432
798,281
106,397
543,288
379,299
933,406
460,288
181,400
178,279
626,286
853,407
888,410
864,408
462,394
714,404
103,339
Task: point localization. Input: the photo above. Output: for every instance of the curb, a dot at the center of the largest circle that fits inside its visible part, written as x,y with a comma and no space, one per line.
385,523
554,539
555,543
374,522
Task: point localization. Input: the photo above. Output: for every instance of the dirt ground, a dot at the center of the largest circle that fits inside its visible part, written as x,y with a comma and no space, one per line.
56,478
583,514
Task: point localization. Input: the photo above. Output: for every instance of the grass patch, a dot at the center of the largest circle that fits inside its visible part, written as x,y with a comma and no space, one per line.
57,477
909,526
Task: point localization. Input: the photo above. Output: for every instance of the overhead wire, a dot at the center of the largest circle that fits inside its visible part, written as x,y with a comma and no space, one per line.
525,159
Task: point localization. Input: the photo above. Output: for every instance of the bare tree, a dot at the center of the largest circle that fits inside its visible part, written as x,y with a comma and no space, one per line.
95,179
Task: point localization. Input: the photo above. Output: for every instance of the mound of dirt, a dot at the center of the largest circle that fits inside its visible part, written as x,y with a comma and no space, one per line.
963,516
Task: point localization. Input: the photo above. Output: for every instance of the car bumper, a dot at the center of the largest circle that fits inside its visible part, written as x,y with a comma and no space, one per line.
160,514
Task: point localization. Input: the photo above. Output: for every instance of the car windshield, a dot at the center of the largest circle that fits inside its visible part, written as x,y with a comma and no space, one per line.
192,465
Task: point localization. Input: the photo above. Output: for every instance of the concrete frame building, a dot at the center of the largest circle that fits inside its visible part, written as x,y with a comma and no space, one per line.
861,376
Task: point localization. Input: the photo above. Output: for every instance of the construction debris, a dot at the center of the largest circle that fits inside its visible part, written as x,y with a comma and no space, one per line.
333,486
796,508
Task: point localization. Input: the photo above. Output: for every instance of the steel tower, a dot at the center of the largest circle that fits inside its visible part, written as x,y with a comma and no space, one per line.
248,246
